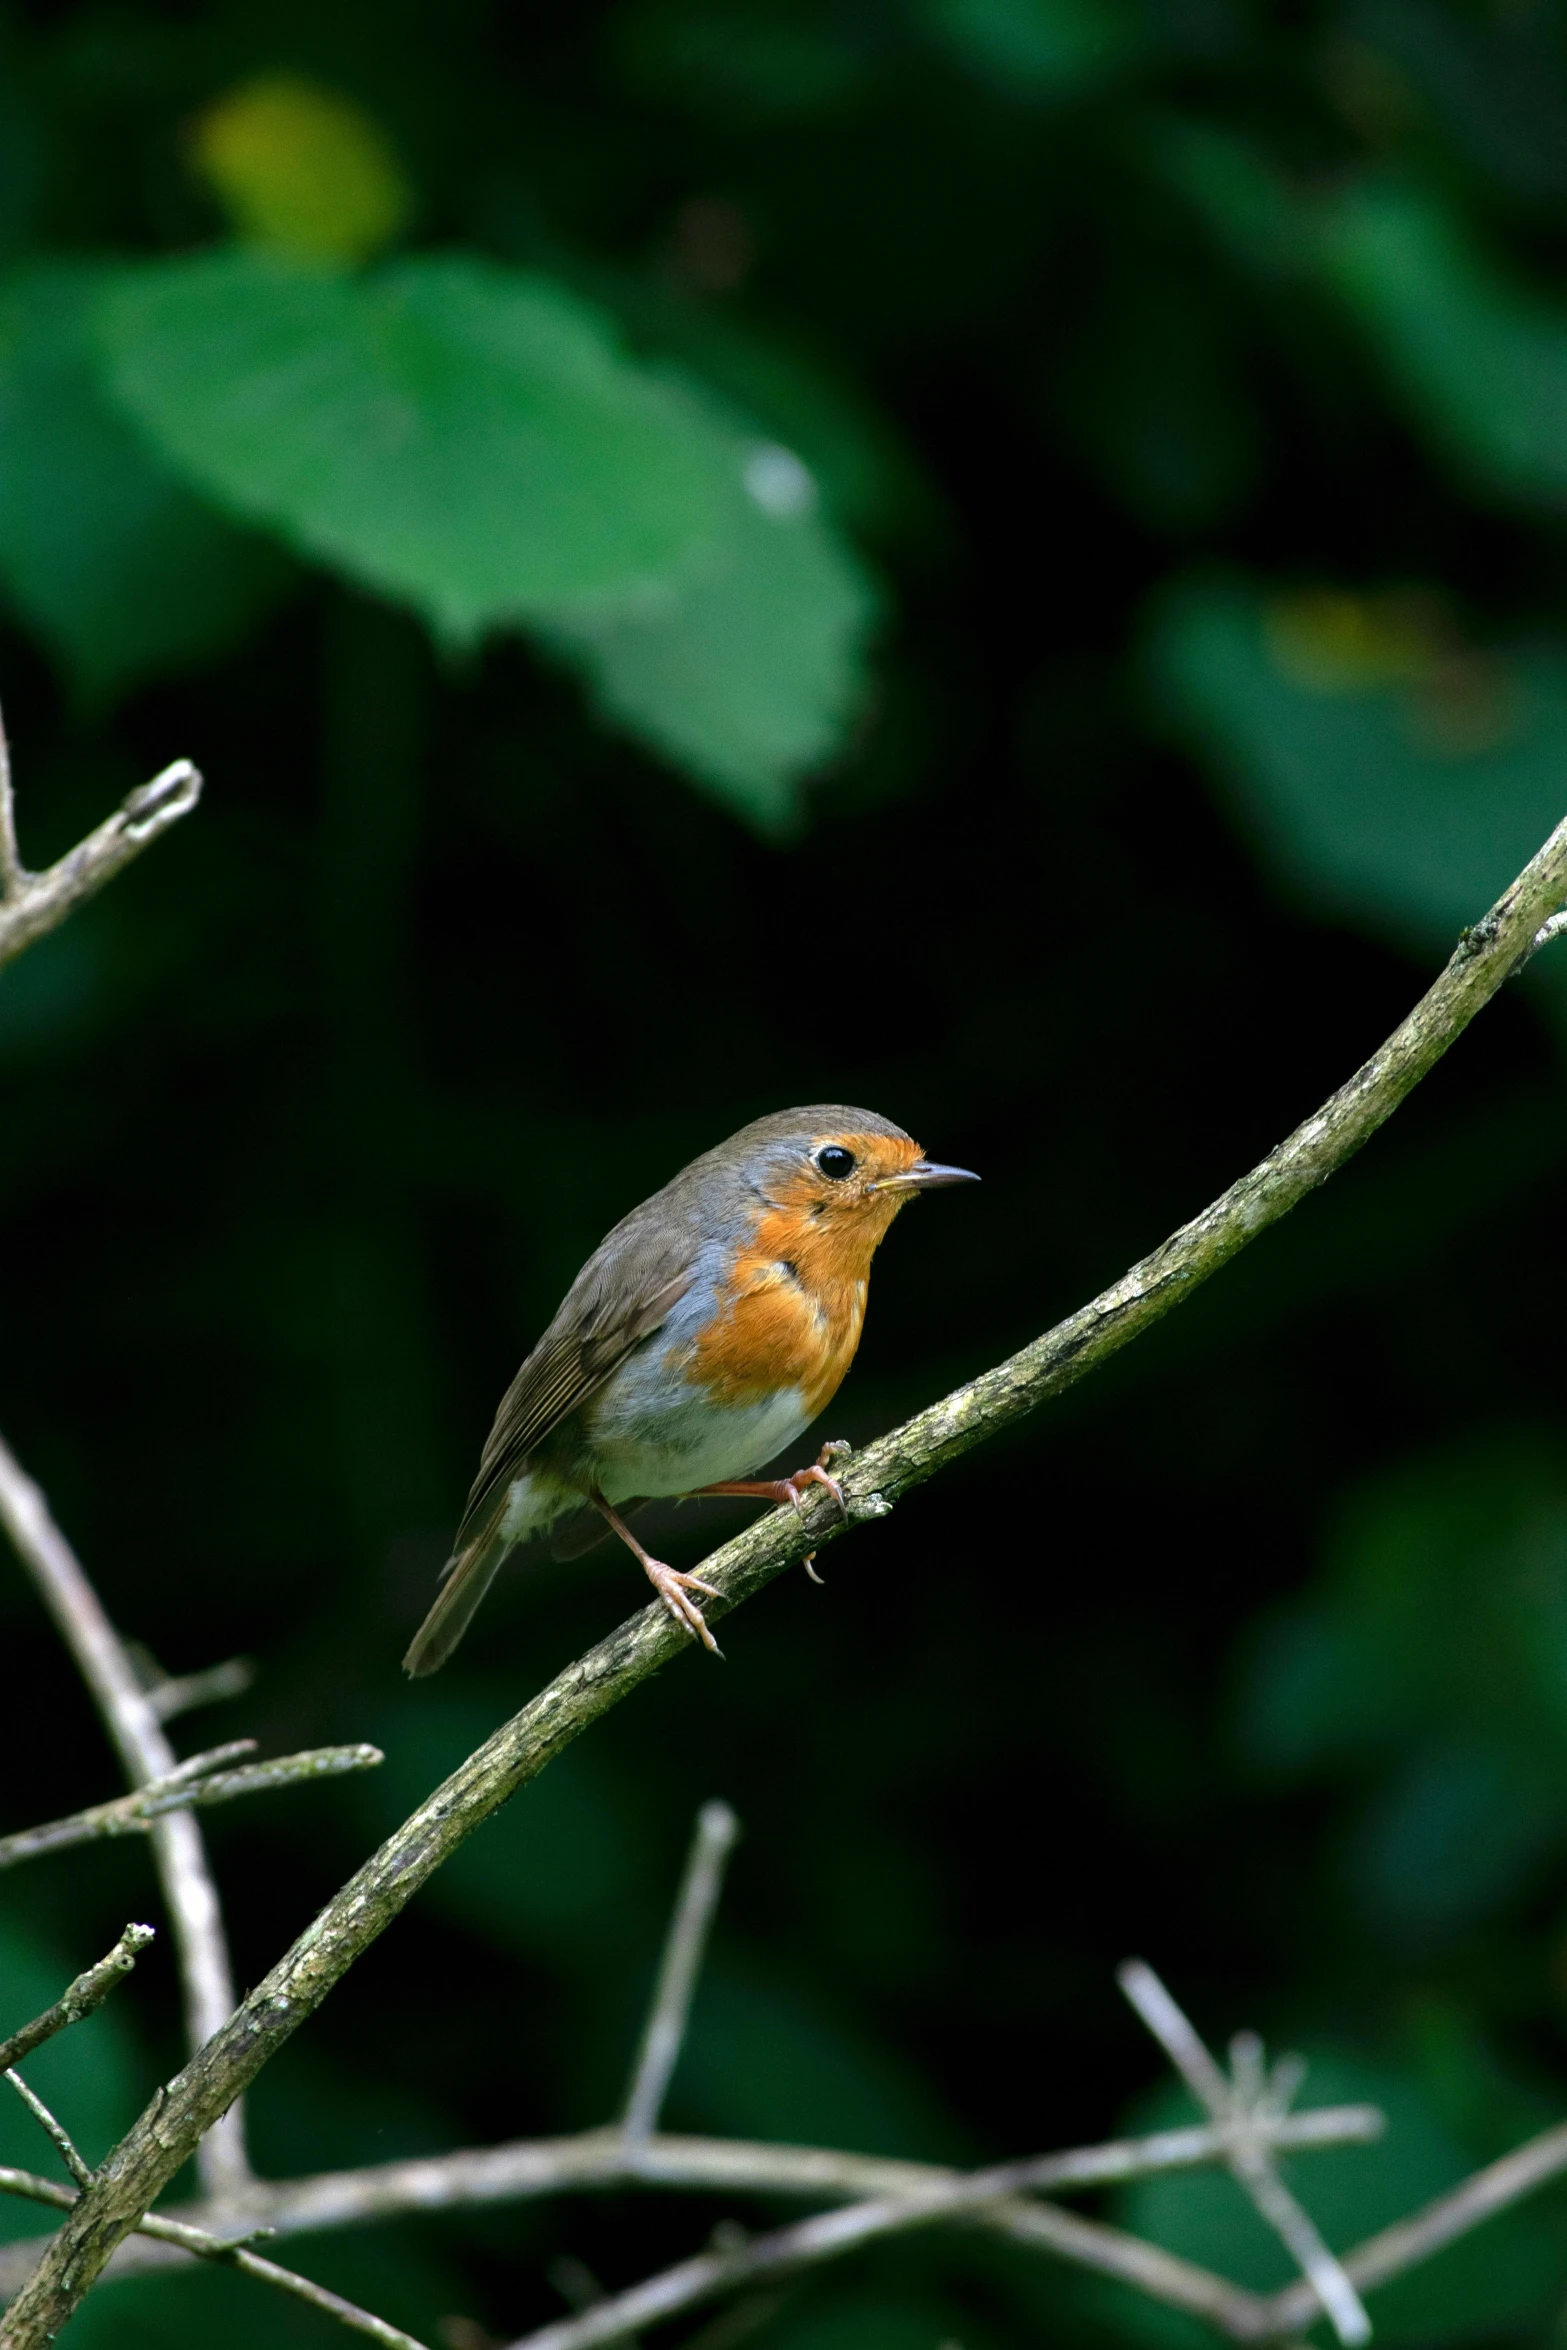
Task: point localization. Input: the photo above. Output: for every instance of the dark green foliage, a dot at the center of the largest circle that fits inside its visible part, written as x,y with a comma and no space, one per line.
1000,559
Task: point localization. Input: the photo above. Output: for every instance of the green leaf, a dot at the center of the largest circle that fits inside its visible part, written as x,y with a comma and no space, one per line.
747,676
445,431
1479,360
1387,769
1429,1665
1036,48
104,554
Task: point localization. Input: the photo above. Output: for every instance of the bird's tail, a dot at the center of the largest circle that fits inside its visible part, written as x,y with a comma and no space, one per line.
464,1582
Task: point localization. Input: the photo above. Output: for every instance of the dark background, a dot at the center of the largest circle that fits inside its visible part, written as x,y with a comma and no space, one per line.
1218,675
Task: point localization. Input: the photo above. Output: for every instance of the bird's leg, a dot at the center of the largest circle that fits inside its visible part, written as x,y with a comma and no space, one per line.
789,1489
671,1586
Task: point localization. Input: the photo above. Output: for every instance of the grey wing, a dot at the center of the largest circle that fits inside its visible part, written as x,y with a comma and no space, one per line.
604,1317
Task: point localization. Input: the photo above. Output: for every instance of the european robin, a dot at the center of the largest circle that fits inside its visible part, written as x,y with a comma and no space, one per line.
700,1338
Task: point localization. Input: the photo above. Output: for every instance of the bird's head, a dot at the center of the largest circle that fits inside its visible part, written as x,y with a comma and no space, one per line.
839,1174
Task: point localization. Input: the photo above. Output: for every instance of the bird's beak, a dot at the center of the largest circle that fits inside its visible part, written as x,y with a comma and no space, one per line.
924,1175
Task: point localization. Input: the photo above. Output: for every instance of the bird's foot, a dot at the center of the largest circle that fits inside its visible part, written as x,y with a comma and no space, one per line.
791,1490
673,1589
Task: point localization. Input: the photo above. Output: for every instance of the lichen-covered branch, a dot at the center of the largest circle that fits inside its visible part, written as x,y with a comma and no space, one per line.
154,2148
197,1782
89,1990
32,904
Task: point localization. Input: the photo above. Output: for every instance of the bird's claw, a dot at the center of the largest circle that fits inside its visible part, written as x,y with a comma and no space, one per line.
672,1588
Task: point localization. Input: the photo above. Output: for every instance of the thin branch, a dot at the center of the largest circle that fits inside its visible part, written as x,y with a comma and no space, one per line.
231,2252
145,1753
89,1990
13,875
1236,2105
1409,2241
711,1845
182,1694
599,2159
163,2138
58,2136
32,904
194,1783
830,2235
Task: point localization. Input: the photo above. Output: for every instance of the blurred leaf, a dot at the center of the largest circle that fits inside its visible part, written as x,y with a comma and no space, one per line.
1153,389
1386,768
1429,1665
768,60
301,169
1479,359
764,2059
471,439
1505,2274
1237,190
1494,78
447,431
1036,48
103,552
748,676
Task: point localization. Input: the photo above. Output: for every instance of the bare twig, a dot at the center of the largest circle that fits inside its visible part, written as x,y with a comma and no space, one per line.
163,2138
182,1694
1409,2241
13,878
1236,2105
599,2159
232,2252
145,1753
197,1782
88,1991
32,904
711,1845
54,2131
1549,930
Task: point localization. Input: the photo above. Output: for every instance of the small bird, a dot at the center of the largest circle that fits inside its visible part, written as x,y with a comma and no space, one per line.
698,1341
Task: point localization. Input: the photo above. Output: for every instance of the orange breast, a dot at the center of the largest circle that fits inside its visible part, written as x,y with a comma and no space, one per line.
796,1305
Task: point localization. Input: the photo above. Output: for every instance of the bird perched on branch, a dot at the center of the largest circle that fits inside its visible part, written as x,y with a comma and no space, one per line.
700,1338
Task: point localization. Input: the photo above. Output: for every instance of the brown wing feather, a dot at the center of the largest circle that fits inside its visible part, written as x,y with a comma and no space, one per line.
568,1365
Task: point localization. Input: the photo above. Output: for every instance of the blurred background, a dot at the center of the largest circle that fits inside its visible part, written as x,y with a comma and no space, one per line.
1000,560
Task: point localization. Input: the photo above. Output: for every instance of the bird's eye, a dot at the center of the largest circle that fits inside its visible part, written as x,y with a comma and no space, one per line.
835,1162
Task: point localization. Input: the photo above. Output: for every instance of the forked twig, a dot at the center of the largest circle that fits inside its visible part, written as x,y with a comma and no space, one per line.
145,1753
32,904
1236,2104
89,1990
199,1781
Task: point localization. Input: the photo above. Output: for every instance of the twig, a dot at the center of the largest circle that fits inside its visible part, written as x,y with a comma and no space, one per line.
145,1753
197,1782
597,2159
181,1694
13,877
1236,2105
1409,2241
711,1845
56,2132
232,2252
32,904
88,1991
156,2145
